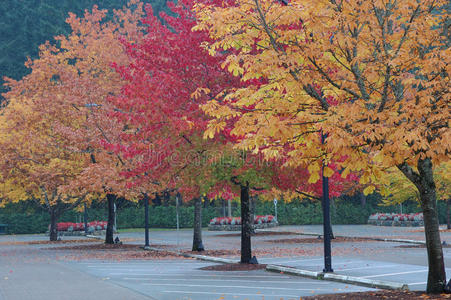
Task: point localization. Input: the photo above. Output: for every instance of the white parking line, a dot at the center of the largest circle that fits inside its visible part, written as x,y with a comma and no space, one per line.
392,274
147,269
368,267
192,275
123,265
234,286
222,279
417,283
297,260
232,294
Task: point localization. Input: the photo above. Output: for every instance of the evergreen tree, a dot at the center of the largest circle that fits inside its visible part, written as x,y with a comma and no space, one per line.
26,24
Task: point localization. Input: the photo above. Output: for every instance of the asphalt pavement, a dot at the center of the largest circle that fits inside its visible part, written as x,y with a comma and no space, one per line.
34,272
183,279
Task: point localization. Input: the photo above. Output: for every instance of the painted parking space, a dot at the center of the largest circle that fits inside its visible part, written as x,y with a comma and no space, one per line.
413,275
182,279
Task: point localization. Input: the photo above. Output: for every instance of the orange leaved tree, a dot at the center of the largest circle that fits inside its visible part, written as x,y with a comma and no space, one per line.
34,163
372,77
70,83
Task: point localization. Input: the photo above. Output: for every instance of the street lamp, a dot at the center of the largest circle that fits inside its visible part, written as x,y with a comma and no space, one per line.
327,230
146,221
85,218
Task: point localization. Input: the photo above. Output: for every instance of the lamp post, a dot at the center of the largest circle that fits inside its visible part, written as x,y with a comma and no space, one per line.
177,198
146,221
327,230
326,219
275,209
85,218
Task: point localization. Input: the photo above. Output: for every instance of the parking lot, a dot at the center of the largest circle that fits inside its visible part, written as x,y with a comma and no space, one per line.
35,271
183,279
415,276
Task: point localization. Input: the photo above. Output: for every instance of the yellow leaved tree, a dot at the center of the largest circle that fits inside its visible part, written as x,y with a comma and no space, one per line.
34,164
370,77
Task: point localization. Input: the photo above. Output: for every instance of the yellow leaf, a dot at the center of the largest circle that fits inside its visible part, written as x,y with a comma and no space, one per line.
313,168
328,172
368,190
314,177
345,173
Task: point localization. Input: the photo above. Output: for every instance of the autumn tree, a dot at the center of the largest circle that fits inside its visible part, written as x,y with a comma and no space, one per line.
372,77
34,164
160,106
70,83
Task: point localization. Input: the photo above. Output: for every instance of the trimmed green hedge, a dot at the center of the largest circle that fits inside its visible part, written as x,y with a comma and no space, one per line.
295,213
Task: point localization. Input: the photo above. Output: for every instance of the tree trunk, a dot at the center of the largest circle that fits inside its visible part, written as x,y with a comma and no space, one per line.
157,199
197,234
53,231
424,181
166,198
362,199
224,214
246,227
109,229
252,213
448,218
229,208
436,273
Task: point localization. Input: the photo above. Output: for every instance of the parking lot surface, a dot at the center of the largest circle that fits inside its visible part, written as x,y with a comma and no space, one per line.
33,271
183,279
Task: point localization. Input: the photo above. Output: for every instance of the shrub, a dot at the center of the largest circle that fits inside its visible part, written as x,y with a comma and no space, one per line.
237,220
22,218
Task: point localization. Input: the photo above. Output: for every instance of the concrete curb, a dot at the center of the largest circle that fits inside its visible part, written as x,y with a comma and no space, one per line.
401,241
294,271
388,285
97,237
339,278
369,238
196,256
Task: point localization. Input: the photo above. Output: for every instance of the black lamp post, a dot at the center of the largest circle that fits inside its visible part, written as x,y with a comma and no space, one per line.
327,231
85,217
146,220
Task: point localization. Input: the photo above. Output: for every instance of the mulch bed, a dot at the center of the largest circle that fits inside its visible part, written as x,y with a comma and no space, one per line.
420,246
47,242
398,295
72,241
316,240
259,233
98,246
116,252
422,230
234,267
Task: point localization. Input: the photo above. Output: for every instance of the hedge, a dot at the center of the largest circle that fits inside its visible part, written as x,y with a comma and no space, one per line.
296,213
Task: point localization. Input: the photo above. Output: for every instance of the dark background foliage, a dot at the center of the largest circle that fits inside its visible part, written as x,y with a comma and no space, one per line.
26,217
26,24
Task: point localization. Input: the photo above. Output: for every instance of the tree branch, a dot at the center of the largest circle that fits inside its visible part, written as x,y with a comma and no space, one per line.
307,195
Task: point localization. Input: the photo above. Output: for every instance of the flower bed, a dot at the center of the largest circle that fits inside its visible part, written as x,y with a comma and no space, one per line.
393,219
234,223
69,228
